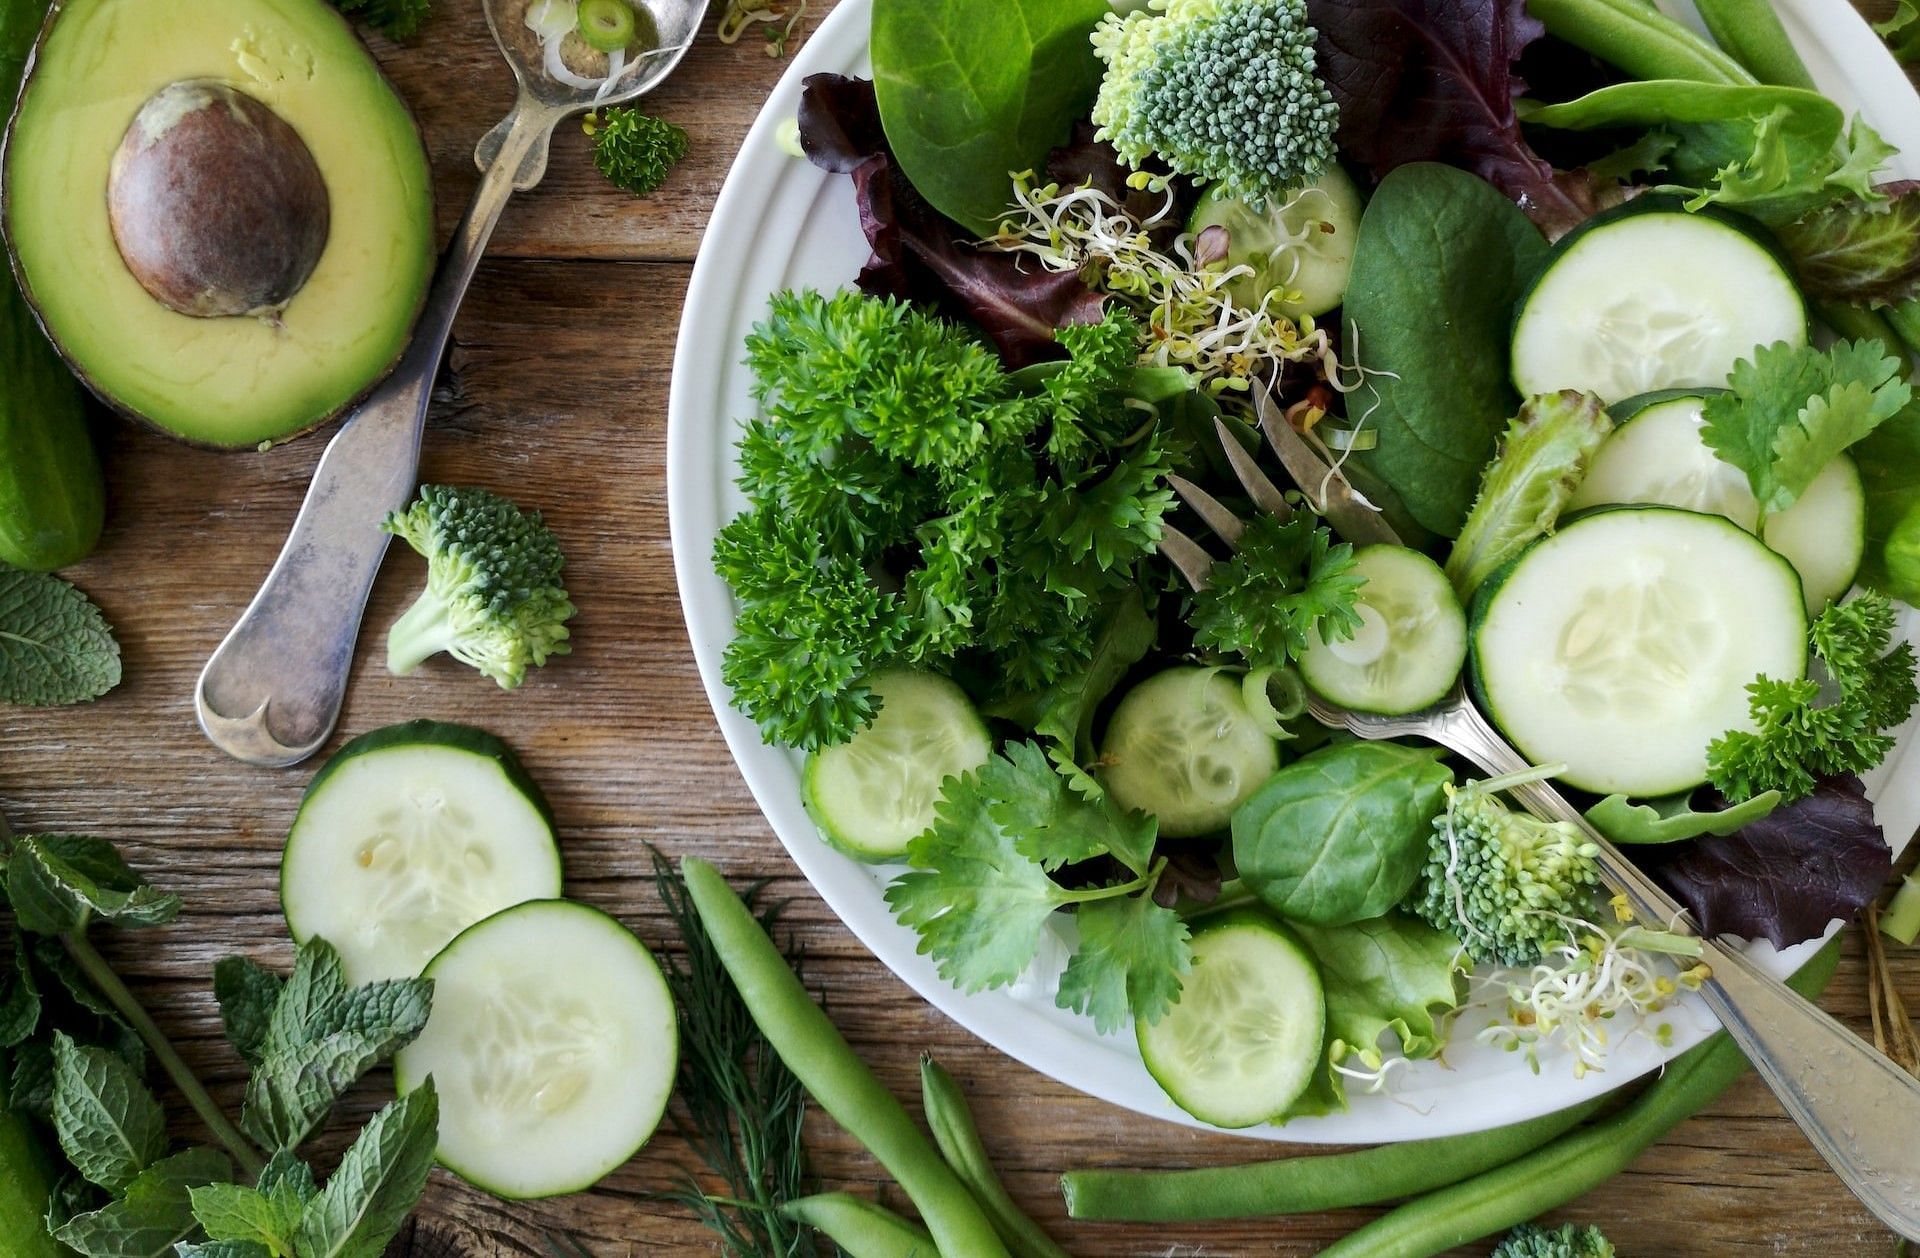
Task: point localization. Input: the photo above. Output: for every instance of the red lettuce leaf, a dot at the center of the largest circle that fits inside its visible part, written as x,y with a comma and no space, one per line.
921,255
1434,80
1786,876
1860,253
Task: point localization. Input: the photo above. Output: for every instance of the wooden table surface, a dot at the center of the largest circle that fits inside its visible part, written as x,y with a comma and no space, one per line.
555,392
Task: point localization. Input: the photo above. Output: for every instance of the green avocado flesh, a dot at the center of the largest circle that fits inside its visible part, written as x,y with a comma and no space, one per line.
231,379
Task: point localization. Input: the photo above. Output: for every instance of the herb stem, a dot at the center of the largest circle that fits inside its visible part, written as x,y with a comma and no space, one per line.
102,976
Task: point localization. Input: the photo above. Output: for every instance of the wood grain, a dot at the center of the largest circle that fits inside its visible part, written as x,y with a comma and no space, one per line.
555,392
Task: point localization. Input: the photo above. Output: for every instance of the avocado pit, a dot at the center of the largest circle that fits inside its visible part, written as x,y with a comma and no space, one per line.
216,204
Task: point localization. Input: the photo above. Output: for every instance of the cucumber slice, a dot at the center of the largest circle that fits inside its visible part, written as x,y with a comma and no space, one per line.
1410,645
1184,746
1300,246
875,794
1652,296
1656,456
553,1045
1250,1029
409,835
1623,644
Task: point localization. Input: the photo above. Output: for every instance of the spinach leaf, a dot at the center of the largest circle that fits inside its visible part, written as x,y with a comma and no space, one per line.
1440,261
1339,836
1889,462
1673,818
971,93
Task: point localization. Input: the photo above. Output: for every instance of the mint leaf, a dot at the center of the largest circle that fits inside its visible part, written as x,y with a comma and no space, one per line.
1053,825
225,1249
110,1126
52,957
152,1216
379,1182
19,997
1790,410
287,1174
233,1212
294,1089
1132,958
30,1084
247,993
55,646
308,1008
57,882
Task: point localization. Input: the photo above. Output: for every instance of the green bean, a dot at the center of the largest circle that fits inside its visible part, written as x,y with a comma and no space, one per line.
1301,1185
959,1139
1642,41
1904,319
825,1064
1577,1163
1858,323
1751,32
861,1228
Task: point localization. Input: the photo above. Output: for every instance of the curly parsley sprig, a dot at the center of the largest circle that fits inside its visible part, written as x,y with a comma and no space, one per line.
1288,579
634,150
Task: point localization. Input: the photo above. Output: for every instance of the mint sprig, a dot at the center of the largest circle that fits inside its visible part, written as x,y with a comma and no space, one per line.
55,646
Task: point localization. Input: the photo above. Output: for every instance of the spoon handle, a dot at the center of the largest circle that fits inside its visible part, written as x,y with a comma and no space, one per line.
272,691
1858,1109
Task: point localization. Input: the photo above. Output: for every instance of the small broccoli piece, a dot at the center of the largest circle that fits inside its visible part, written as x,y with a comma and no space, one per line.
1218,89
1530,1240
1504,882
493,598
634,150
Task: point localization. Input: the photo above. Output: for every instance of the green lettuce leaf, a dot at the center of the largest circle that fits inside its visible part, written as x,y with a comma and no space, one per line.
1889,462
1672,819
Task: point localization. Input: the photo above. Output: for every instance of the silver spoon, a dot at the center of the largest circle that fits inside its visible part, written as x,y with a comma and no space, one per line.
272,691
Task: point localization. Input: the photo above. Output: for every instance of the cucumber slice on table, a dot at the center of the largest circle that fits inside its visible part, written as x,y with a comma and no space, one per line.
1250,1029
1300,244
1184,746
874,794
1623,644
1656,456
1411,642
408,836
1653,296
552,1044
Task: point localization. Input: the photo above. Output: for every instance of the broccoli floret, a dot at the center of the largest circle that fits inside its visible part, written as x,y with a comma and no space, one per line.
634,150
1504,881
493,598
1218,89
1530,1240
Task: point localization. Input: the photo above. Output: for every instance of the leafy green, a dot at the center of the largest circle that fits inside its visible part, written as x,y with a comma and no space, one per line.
1053,825
635,151
377,1184
1338,836
1440,260
1673,819
1539,464
1789,410
247,994
152,1215
1901,31
1287,579
1392,976
1799,734
110,1126
1889,463
57,883
970,93
1131,960
1864,253
55,646
397,19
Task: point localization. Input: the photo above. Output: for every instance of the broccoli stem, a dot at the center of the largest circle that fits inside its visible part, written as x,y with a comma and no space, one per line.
1901,920
423,631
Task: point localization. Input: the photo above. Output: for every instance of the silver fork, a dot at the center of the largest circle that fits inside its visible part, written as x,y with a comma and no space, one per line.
1859,1109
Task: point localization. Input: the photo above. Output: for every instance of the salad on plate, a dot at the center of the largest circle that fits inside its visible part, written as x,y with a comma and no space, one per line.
1221,360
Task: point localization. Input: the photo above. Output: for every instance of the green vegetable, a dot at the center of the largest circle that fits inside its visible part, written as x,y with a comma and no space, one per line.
979,894
55,646
1338,836
1441,260
1504,881
25,1189
1556,1173
971,94
1866,253
1539,464
1309,1185
1901,31
606,25
951,1123
1751,31
1638,38
1530,1240
1803,730
1788,411
1222,90
1901,920
397,19
861,1228
822,1060
635,151
1672,819
156,1207
493,600
1889,463
1287,579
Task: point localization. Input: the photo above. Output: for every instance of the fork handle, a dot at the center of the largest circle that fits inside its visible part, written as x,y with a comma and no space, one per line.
1859,1110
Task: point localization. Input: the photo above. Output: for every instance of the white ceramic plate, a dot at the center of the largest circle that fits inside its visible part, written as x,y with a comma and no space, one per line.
781,223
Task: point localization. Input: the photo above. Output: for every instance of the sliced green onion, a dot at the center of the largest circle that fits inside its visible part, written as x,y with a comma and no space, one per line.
1274,696
607,25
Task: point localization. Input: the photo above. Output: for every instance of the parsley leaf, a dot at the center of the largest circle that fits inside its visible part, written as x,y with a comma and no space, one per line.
1789,410
1288,578
635,151
397,19
1132,958
55,646
1796,736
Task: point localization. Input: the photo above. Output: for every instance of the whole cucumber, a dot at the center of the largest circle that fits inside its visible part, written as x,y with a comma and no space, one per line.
24,1189
52,499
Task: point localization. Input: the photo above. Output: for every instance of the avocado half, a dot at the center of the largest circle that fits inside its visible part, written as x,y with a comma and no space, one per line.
220,211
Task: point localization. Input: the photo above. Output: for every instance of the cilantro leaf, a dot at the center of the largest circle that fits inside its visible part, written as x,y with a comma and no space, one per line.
55,646
377,1184
1132,959
1053,825
1789,410
110,1126
1287,579
152,1215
